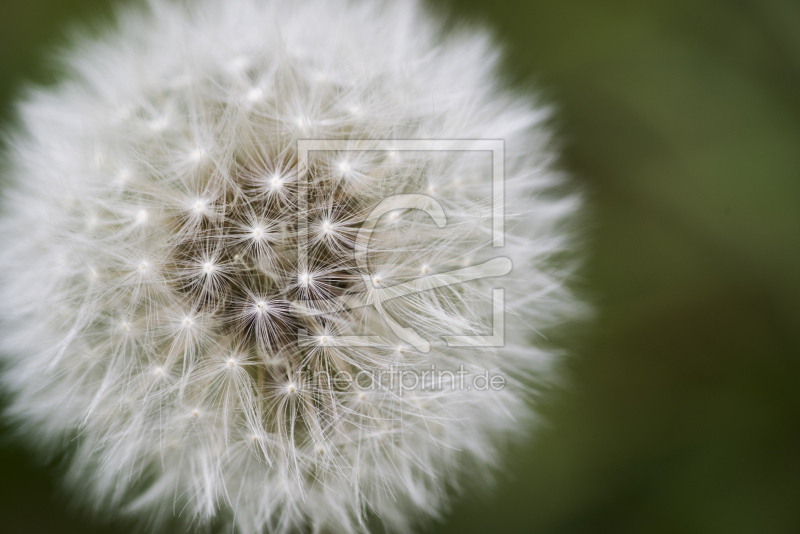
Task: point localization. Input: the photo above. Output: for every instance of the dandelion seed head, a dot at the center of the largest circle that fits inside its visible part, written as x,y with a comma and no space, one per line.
206,277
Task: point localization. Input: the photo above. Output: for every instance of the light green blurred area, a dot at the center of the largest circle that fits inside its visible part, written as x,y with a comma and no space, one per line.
681,408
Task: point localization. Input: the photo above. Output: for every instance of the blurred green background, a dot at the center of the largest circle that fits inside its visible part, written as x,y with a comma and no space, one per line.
682,409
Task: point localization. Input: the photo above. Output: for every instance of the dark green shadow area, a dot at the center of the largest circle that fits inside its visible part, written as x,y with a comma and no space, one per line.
681,411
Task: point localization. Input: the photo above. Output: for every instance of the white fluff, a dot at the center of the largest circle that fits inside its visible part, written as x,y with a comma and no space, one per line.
149,269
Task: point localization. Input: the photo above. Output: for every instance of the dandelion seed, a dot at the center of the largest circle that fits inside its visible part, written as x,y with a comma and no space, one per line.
159,124
255,94
241,63
123,176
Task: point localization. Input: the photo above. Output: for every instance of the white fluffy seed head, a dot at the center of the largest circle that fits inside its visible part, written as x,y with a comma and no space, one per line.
190,354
